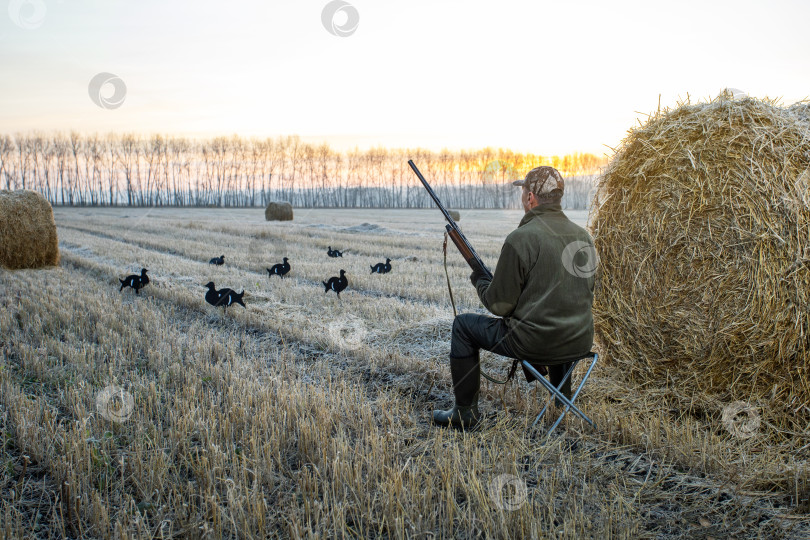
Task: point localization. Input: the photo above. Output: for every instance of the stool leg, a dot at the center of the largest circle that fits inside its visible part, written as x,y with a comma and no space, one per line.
579,388
560,385
554,392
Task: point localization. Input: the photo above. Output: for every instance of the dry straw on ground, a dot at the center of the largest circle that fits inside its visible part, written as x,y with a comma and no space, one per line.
702,226
27,231
260,424
278,211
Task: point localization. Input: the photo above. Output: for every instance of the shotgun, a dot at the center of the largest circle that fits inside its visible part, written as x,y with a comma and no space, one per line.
461,242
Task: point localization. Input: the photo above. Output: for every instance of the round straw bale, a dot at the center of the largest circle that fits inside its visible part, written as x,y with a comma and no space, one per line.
278,211
27,231
455,215
702,226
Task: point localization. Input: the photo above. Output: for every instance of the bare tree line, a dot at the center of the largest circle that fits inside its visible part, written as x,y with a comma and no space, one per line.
130,170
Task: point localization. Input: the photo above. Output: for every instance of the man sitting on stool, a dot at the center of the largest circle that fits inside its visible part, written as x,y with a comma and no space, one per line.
541,292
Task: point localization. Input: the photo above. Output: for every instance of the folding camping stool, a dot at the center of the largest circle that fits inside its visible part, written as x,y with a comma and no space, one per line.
556,394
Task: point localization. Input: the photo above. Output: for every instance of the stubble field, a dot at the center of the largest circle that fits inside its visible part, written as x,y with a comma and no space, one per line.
305,415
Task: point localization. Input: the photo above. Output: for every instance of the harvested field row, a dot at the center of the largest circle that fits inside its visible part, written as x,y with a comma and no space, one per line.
422,331
232,432
420,281
320,407
344,230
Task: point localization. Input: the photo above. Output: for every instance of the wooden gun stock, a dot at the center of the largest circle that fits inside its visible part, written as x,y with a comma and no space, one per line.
461,245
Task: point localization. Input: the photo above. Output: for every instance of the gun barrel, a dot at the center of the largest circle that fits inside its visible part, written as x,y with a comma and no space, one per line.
453,226
432,194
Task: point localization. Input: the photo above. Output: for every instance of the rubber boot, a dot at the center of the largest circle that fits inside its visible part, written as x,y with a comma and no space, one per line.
555,375
466,373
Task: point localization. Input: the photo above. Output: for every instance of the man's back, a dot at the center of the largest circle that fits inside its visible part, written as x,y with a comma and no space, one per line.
543,287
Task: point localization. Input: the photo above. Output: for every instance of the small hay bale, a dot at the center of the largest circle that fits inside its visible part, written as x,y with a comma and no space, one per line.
455,215
278,211
27,231
702,226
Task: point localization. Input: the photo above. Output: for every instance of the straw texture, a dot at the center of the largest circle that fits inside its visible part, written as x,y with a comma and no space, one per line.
802,110
702,226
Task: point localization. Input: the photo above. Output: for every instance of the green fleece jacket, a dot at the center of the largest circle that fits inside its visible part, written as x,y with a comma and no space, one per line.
543,287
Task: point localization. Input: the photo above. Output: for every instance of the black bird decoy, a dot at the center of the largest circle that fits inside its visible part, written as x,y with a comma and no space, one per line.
212,296
279,269
219,261
144,278
135,281
223,297
334,253
382,268
336,284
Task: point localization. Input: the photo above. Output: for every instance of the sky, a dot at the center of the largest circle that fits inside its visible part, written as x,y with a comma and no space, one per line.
532,76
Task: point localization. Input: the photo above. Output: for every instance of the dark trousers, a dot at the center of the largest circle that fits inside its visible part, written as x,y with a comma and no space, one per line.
473,332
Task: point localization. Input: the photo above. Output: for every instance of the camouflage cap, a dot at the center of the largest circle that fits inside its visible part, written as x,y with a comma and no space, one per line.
542,181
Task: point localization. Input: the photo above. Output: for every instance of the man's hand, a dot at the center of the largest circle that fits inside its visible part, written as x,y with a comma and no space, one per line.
477,272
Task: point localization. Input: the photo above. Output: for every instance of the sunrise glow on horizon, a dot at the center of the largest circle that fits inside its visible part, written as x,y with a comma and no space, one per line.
542,78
